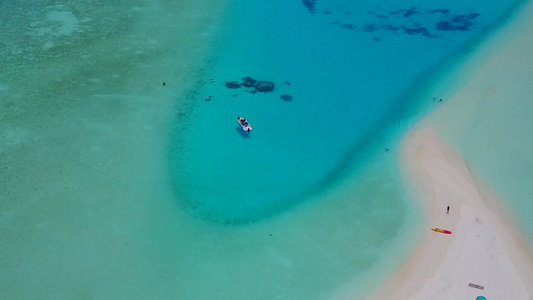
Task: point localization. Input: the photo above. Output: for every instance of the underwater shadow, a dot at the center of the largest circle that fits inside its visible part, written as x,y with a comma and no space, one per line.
243,133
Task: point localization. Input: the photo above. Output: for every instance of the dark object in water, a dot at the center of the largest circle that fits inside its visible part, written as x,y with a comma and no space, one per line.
310,4
232,85
264,86
349,26
287,83
286,97
164,83
248,81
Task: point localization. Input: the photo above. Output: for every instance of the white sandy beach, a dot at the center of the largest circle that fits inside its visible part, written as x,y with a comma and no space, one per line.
483,248
486,247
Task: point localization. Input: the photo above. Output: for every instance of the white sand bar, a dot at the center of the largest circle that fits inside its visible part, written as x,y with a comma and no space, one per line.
486,248
482,250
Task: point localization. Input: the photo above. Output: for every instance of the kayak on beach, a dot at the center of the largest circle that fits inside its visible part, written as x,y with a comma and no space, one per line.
441,230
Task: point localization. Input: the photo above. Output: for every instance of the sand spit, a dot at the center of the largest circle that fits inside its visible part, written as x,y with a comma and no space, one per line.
487,254
482,250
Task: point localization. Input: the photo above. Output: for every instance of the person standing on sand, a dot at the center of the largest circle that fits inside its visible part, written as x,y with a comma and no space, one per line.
448,210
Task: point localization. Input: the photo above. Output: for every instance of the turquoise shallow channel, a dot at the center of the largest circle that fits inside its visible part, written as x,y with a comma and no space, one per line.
352,69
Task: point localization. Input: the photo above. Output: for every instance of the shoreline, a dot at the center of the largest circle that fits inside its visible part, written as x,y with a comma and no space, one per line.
487,246
484,249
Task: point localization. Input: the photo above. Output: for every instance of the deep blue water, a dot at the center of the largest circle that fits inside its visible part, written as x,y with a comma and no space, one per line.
351,67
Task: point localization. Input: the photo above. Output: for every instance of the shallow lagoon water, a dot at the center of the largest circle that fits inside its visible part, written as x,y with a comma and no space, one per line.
352,71
94,207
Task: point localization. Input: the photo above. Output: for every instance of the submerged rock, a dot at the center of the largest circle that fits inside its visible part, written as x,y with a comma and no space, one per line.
310,4
248,81
264,86
286,97
232,85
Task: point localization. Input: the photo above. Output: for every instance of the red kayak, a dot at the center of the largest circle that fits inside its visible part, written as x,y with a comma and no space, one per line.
441,230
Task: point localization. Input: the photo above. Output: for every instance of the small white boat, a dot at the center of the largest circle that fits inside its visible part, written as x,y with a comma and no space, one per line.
244,124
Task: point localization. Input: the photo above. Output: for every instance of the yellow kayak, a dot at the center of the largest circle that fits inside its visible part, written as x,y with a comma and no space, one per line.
441,230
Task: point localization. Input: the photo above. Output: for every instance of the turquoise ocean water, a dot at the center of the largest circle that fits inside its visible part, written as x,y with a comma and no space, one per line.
355,71
116,186
352,69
